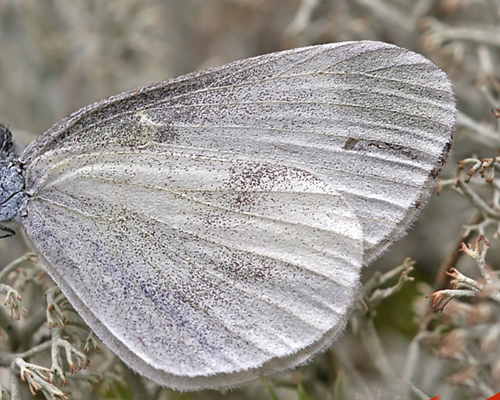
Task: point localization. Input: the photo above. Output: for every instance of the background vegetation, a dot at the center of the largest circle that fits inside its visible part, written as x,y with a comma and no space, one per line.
59,55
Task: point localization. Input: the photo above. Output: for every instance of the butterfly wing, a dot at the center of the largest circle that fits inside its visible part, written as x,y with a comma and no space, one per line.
211,228
193,266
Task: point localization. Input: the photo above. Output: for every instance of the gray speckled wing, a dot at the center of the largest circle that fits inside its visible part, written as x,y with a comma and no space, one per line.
211,228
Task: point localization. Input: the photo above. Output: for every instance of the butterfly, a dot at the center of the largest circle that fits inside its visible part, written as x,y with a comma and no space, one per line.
211,228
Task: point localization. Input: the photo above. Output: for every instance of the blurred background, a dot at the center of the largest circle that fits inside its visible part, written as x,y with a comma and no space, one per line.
57,56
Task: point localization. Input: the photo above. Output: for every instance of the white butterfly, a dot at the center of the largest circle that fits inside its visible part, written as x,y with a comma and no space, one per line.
211,228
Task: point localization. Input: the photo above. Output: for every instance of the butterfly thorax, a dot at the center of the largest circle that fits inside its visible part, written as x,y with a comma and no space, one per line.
12,195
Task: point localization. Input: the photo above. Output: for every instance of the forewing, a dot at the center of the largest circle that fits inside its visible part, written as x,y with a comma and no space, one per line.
199,271
372,120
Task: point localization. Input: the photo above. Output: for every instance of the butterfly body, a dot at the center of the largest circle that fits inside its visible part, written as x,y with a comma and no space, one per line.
13,198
